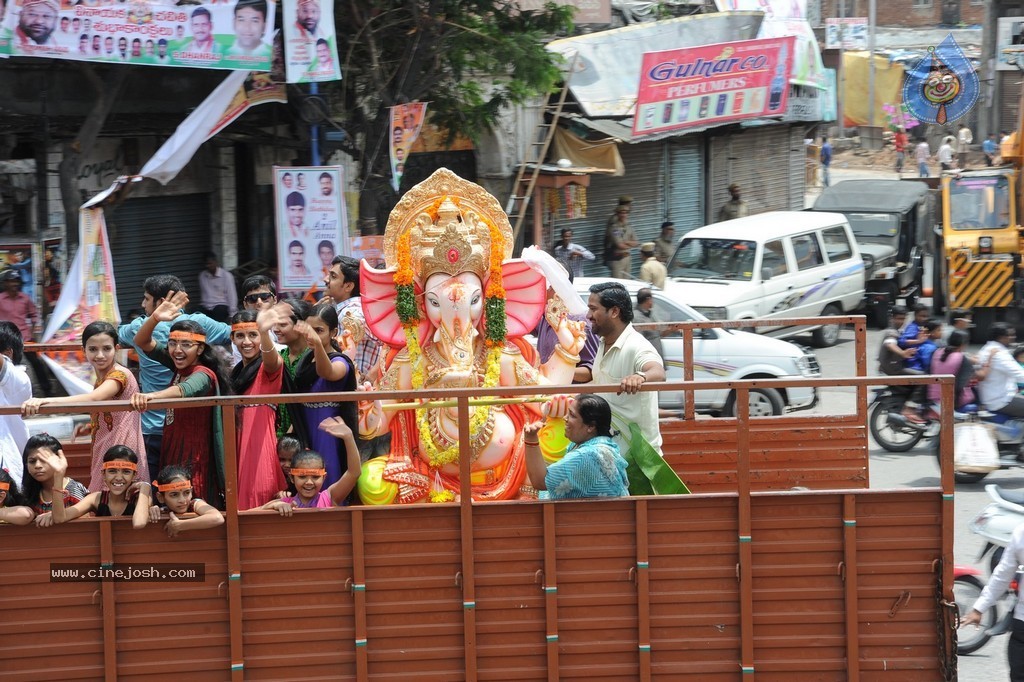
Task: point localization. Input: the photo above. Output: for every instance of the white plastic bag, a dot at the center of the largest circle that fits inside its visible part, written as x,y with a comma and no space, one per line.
974,448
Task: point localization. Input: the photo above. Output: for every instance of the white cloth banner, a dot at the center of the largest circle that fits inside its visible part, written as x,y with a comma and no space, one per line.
193,131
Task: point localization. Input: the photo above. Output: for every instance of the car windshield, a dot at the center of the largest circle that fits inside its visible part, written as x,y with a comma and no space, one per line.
979,202
714,259
874,225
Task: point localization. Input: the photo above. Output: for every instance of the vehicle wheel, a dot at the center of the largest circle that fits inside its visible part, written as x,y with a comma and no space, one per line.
891,438
764,402
827,335
880,315
966,590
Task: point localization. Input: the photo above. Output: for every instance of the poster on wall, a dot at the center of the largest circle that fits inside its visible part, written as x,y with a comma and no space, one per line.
406,122
1009,43
22,258
223,35
54,267
713,84
850,33
312,224
311,48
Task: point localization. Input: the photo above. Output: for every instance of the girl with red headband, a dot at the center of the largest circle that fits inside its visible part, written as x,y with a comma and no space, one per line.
259,373
184,512
113,382
12,507
193,437
123,493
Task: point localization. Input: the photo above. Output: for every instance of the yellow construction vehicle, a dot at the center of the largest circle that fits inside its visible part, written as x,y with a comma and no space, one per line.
981,243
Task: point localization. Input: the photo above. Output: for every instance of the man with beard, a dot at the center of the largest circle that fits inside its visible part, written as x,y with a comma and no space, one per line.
202,33
307,19
36,22
96,45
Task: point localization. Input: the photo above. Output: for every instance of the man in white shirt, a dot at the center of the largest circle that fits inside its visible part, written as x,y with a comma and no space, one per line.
945,153
998,390
964,138
218,297
626,358
572,254
15,388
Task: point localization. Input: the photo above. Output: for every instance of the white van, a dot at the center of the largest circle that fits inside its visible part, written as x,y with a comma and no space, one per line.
771,265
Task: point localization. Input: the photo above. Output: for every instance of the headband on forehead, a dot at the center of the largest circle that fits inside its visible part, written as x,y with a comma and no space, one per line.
173,486
307,472
188,336
120,464
244,327
5,486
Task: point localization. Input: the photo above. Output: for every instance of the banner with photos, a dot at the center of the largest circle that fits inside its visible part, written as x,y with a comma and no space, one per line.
406,122
225,35
312,224
311,47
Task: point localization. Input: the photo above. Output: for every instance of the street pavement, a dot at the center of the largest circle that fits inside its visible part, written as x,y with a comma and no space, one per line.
919,468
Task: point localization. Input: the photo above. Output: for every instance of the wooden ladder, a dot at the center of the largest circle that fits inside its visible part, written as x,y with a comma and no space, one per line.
529,169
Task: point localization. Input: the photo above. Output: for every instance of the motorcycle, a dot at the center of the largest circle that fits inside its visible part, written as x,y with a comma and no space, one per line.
967,587
1009,437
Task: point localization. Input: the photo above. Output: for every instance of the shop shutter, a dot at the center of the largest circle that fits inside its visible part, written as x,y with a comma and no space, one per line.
797,169
685,191
762,161
1009,100
644,181
156,236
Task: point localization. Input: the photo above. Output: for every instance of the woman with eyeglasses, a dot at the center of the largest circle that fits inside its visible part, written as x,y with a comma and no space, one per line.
193,437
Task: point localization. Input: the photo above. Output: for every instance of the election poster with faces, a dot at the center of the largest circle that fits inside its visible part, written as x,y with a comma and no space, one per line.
230,35
312,224
406,122
311,47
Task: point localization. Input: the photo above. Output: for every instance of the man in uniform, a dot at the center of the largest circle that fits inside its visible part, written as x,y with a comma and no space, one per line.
735,207
619,238
665,244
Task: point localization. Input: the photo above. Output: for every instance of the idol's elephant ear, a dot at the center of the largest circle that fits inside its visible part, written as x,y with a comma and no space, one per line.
525,297
378,295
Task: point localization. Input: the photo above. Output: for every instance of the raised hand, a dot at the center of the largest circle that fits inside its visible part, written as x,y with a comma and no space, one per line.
171,306
271,316
312,338
336,426
56,461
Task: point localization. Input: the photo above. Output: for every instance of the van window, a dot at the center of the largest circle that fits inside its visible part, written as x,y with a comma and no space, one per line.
775,258
837,244
714,259
807,252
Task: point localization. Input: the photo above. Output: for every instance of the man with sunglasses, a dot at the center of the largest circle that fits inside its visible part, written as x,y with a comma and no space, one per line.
152,375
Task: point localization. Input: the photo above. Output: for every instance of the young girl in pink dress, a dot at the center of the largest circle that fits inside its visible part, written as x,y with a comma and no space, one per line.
259,373
113,382
307,474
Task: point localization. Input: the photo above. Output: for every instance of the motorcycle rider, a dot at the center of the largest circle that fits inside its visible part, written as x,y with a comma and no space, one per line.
890,355
1013,556
998,390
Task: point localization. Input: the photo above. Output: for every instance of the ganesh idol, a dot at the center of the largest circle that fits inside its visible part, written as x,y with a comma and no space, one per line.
453,307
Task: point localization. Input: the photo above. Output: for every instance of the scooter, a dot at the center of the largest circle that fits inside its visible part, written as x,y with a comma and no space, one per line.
997,521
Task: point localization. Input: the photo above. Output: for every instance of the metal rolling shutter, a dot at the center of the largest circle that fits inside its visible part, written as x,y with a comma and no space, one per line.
158,235
643,181
1009,100
760,161
686,183
797,169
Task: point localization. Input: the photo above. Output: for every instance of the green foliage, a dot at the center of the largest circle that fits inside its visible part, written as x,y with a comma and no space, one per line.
467,58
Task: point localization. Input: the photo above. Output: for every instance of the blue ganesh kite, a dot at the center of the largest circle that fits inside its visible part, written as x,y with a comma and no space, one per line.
943,86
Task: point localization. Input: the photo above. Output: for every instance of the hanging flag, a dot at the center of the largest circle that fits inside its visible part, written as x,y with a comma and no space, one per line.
406,122
310,43
235,34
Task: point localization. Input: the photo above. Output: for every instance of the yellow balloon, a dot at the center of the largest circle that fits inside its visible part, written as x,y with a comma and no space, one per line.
553,442
372,487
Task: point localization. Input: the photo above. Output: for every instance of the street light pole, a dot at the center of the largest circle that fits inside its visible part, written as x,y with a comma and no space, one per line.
841,72
871,62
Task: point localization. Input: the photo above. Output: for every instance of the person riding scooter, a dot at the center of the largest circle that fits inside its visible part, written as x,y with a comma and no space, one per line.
998,390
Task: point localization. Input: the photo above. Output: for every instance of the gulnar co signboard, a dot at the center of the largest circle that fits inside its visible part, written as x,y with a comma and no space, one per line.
713,84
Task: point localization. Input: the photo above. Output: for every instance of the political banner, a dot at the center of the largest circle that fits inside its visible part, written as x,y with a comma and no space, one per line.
713,84
312,224
406,122
225,35
89,294
310,45
850,33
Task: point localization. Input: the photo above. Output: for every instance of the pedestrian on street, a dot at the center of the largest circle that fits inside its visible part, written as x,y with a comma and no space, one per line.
571,254
945,153
826,160
665,244
18,307
989,148
964,138
619,238
218,298
922,152
735,207
652,270
900,142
